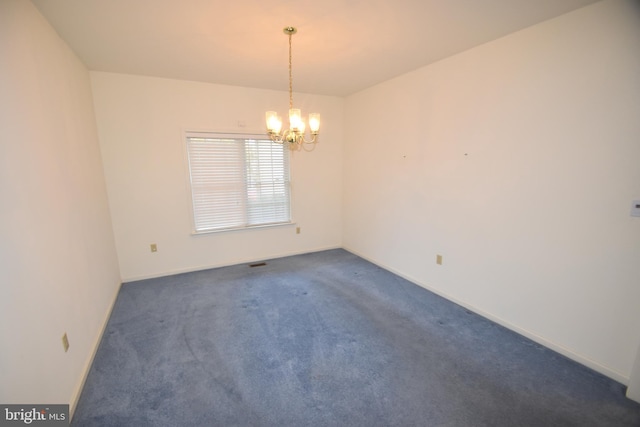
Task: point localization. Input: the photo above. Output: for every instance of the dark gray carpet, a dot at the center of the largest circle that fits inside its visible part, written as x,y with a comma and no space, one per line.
326,339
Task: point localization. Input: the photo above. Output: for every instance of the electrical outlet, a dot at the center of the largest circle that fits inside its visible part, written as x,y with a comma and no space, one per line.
154,247
439,259
65,342
297,230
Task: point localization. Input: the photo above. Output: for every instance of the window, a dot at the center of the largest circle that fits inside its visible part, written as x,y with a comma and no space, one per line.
237,181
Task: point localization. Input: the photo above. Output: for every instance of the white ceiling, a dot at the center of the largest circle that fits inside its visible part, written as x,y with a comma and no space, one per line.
342,46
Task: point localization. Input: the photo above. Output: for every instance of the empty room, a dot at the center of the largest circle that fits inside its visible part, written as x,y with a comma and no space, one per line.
336,213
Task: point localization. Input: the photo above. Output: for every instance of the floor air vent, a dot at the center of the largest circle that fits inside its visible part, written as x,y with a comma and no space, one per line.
258,264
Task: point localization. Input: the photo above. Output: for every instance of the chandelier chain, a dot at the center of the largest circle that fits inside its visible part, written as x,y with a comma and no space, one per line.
290,76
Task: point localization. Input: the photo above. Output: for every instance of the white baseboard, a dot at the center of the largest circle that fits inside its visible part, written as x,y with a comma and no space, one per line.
633,391
617,376
87,367
226,264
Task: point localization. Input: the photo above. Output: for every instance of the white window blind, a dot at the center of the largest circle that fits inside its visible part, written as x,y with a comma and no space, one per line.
237,181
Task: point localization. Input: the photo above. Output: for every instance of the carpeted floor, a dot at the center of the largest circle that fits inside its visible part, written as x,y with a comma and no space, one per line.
326,339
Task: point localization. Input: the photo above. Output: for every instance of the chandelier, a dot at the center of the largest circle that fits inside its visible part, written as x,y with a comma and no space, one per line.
295,135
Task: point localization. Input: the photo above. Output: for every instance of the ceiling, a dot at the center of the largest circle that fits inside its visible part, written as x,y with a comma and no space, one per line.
342,46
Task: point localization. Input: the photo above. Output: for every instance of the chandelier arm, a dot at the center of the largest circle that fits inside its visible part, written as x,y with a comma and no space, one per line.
308,144
311,141
276,137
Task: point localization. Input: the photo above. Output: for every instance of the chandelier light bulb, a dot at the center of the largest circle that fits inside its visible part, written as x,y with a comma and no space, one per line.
314,123
274,123
295,119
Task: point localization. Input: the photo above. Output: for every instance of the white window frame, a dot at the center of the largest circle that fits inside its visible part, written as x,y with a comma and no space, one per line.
231,208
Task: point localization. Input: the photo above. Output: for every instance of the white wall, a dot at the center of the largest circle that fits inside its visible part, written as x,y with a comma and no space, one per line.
141,122
517,161
58,266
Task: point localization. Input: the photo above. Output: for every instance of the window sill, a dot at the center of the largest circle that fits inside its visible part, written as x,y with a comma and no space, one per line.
253,227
